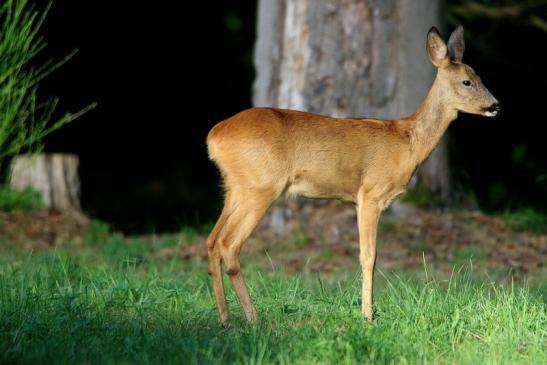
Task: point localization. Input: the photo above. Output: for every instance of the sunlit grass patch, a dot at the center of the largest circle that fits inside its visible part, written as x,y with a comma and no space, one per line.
107,305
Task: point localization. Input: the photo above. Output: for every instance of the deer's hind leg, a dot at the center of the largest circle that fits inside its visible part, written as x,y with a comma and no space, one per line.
251,206
213,251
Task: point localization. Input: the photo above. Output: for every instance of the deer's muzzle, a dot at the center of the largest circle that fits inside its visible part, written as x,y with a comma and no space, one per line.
493,110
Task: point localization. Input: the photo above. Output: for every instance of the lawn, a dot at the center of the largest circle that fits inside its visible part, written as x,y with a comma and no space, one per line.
116,299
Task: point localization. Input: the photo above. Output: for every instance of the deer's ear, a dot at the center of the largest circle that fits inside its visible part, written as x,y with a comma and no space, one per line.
436,48
456,44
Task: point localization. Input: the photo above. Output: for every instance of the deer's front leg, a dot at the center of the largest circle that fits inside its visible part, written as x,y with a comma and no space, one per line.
368,213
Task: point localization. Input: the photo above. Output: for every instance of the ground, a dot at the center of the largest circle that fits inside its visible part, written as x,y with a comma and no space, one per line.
325,240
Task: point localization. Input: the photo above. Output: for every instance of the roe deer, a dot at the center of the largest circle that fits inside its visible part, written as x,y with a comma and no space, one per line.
263,153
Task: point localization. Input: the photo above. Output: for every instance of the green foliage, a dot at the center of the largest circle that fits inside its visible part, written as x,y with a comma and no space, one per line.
114,301
24,200
527,219
233,22
518,155
24,119
422,197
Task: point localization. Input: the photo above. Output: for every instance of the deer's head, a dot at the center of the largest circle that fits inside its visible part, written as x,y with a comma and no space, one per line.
460,86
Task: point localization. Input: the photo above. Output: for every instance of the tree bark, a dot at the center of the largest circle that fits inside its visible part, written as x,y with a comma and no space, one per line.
55,176
349,58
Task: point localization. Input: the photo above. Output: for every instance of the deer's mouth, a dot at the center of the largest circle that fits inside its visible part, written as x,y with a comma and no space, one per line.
493,110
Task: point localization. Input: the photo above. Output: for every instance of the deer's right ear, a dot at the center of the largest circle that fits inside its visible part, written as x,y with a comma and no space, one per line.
436,48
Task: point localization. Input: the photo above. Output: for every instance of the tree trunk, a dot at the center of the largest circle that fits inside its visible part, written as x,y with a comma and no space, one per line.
55,176
349,58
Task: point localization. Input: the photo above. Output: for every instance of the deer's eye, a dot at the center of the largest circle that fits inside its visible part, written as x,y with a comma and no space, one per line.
466,83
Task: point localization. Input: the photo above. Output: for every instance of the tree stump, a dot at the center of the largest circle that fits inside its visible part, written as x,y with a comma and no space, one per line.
54,175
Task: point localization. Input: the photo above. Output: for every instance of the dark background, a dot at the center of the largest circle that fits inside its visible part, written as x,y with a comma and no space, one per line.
164,74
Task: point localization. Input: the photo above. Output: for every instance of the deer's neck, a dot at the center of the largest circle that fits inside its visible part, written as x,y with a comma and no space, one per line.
430,121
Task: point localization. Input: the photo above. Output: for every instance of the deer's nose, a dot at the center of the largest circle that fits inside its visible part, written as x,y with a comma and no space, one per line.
495,109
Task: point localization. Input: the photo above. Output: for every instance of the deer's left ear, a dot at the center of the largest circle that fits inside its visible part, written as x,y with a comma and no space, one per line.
456,44
436,48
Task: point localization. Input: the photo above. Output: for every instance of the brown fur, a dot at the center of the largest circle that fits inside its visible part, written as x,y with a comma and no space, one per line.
264,153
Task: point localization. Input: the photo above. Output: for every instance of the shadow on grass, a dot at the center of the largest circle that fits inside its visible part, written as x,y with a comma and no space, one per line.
92,337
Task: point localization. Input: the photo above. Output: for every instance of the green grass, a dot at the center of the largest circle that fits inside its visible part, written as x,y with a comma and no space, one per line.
526,220
297,239
475,254
116,301
22,200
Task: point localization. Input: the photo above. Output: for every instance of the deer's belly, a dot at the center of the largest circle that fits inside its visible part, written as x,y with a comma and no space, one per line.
324,188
